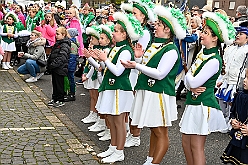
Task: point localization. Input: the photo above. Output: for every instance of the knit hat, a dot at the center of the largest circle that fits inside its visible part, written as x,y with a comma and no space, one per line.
174,19
146,7
94,31
13,15
127,8
130,24
73,32
108,30
221,26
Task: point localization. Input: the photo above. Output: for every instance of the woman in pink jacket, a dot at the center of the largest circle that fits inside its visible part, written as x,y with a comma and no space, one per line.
73,22
48,29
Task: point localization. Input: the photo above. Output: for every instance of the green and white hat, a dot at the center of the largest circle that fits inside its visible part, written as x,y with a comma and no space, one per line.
174,19
146,7
13,15
127,8
221,26
130,24
108,30
94,31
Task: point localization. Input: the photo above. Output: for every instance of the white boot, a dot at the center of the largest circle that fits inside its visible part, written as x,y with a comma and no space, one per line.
110,151
100,127
106,136
132,141
91,118
8,65
117,156
96,123
4,66
148,160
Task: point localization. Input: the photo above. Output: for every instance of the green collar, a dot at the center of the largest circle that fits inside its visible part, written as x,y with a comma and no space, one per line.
160,40
211,50
124,42
97,47
104,47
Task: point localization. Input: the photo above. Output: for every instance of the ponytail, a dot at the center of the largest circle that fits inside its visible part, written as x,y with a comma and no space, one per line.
221,55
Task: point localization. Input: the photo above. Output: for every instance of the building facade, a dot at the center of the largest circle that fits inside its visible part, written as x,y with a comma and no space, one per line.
230,6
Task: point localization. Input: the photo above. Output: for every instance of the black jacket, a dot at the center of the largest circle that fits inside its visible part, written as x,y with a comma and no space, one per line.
58,59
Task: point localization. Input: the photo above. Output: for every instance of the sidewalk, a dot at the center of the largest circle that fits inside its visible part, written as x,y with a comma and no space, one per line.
32,133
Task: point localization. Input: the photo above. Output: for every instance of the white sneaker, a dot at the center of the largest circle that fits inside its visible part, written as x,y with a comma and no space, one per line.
106,136
132,141
94,125
31,79
99,127
148,160
39,75
92,117
110,151
4,66
8,65
101,133
117,156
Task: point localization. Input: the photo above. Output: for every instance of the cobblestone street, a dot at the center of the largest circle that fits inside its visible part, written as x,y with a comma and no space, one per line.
31,132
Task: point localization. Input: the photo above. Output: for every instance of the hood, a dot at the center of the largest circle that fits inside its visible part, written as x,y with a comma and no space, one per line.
37,42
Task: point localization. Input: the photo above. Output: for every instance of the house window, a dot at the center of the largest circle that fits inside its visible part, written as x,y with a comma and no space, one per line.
232,5
217,4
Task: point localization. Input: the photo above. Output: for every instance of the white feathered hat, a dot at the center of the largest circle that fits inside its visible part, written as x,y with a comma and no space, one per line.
146,7
127,7
221,26
108,30
13,15
174,19
94,31
130,24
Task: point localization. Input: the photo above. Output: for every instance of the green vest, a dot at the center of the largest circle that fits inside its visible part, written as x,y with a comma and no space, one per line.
154,54
88,65
6,38
112,82
207,98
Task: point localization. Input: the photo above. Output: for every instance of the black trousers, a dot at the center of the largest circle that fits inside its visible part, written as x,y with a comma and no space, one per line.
58,87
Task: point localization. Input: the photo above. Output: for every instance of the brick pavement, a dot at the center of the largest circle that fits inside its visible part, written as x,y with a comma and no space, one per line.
32,133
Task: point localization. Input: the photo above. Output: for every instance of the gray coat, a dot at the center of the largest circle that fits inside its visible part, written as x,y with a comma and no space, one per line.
36,51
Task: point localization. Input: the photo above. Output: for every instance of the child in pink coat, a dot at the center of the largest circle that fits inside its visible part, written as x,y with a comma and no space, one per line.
73,22
48,28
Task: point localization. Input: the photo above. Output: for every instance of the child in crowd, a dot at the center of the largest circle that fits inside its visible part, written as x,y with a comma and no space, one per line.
48,28
32,20
57,63
73,21
235,56
72,65
8,32
237,150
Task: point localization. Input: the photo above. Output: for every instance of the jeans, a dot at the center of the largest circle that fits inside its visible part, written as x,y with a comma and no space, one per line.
30,67
72,82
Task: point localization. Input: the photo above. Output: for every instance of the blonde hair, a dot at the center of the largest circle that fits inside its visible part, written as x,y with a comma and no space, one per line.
37,33
75,12
62,30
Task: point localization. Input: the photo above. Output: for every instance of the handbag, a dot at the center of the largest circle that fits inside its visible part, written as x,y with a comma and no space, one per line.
41,62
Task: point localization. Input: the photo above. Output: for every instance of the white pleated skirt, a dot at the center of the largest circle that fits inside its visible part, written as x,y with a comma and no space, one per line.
91,84
114,102
8,47
152,109
202,120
